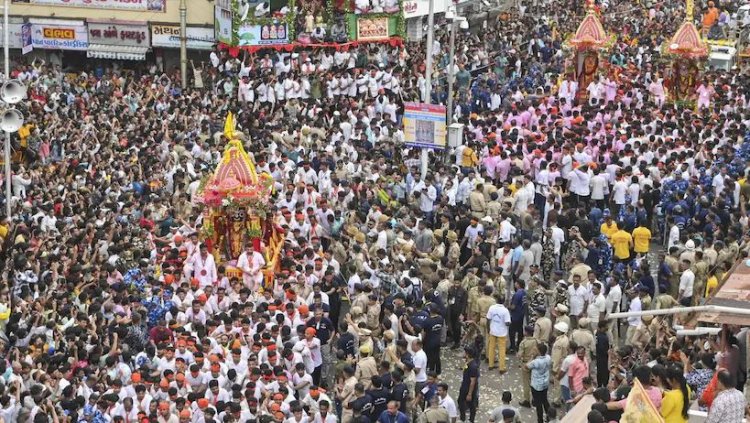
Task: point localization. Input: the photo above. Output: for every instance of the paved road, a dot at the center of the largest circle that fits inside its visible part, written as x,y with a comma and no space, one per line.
491,384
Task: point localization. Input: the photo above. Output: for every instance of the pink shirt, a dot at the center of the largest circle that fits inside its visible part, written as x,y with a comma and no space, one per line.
654,394
502,168
578,370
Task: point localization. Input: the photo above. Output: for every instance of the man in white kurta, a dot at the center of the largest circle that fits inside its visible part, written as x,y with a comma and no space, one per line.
250,263
204,267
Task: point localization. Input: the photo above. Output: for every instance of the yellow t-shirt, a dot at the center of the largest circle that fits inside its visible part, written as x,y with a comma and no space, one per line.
671,406
621,243
641,239
711,283
25,131
608,230
468,158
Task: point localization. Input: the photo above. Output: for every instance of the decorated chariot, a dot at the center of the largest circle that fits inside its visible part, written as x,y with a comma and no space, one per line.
687,52
588,49
237,211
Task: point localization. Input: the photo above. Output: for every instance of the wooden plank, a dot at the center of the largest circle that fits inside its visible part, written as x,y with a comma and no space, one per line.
579,413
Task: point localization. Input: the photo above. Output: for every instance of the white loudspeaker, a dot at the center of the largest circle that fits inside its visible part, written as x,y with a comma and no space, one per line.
11,120
13,91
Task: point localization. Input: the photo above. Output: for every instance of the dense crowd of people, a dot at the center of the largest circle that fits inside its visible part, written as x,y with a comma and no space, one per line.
556,211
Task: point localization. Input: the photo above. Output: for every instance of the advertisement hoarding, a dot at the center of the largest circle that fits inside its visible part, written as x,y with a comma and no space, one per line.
424,125
223,24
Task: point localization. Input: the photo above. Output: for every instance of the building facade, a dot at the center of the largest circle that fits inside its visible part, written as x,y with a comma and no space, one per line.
70,31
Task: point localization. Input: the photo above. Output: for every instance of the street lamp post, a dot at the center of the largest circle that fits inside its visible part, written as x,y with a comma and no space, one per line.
183,43
6,70
425,155
12,92
451,64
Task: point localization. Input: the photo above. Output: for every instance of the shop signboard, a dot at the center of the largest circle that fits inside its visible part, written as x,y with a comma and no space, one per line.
420,8
140,5
168,36
15,37
59,37
120,34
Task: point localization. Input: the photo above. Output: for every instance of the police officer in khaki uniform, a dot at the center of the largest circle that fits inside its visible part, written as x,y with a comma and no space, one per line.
438,250
477,202
454,249
484,302
527,351
583,337
700,269
494,207
542,326
559,352
673,263
474,286
435,413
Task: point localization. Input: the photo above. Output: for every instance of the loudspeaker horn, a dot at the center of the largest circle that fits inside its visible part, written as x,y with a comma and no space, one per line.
13,91
11,120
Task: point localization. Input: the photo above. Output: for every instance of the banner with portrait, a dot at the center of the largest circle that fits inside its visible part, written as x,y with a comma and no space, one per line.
372,29
263,35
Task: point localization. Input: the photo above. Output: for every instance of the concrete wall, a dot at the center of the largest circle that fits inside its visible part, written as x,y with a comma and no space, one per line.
200,12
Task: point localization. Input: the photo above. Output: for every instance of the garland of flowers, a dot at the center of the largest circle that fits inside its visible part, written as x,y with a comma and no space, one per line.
207,229
236,21
400,20
330,12
203,182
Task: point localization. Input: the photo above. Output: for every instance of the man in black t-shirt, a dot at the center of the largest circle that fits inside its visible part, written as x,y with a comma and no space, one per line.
323,326
363,404
380,396
385,375
468,394
432,327
399,392
346,340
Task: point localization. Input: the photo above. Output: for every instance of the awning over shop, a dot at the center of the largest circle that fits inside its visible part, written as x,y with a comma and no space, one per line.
108,51
734,291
